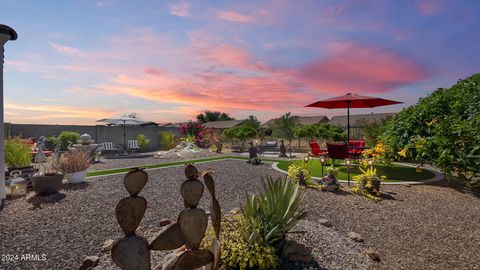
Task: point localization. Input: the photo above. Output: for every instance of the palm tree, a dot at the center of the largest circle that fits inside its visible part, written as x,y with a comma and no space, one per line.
284,127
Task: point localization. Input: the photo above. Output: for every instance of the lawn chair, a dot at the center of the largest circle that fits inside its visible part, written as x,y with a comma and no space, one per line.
132,145
315,150
107,148
337,151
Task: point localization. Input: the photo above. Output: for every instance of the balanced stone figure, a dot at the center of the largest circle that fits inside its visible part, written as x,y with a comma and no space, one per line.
183,236
283,149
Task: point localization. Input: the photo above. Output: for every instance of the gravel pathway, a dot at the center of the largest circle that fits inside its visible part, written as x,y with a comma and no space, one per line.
427,227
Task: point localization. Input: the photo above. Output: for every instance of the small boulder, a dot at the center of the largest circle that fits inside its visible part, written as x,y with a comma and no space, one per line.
355,237
296,252
165,222
89,263
108,244
373,254
325,222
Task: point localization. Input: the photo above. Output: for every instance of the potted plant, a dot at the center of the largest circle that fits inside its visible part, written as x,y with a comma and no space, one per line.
74,164
330,179
49,180
18,156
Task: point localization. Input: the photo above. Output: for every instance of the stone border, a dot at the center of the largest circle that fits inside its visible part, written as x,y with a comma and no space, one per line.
438,176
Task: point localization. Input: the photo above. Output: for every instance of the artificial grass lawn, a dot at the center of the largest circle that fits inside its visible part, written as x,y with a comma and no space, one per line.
153,166
394,173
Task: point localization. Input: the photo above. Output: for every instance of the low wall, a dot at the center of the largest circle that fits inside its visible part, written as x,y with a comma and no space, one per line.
99,133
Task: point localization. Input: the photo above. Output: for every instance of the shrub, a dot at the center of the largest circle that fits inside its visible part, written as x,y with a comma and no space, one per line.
73,161
368,183
332,171
270,215
17,153
143,141
445,125
299,173
236,252
67,137
194,129
52,142
166,140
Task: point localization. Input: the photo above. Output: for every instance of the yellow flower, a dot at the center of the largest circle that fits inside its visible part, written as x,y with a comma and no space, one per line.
403,153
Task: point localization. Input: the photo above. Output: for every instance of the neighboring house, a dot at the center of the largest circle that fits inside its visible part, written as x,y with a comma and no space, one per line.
360,120
303,120
221,125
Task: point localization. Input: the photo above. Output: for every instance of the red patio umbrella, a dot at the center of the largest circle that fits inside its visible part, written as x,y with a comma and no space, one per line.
352,101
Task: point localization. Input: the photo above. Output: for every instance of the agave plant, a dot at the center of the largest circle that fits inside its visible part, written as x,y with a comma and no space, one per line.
270,215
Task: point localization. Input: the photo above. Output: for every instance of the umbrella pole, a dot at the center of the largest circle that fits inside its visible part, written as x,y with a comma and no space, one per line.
348,124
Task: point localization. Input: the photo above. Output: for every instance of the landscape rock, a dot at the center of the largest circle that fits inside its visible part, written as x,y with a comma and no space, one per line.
296,252
355,237
89,263
373,254
108,244
325,222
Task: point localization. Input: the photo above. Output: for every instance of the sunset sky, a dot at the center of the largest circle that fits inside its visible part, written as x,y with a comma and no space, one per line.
78,61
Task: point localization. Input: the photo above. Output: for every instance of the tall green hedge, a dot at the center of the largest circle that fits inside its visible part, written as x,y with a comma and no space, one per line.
442,128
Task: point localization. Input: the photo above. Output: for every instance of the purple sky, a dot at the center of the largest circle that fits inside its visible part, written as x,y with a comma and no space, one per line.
78,61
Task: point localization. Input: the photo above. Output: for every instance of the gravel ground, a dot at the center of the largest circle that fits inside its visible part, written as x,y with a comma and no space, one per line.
427,227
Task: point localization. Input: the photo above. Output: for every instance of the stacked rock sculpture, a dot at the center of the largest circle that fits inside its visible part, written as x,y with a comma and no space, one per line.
183,236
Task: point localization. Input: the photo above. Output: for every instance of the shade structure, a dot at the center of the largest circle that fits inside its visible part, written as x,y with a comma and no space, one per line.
123,121
352,101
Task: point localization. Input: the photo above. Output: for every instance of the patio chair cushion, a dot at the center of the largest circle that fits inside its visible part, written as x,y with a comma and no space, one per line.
337,150
108,146
315,149
133,145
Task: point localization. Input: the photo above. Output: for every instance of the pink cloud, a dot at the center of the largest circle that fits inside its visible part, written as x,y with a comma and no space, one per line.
69,51
233,16
353,67
180,9
428,7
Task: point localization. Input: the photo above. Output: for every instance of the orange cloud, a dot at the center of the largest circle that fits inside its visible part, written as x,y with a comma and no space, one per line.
353,67
233,16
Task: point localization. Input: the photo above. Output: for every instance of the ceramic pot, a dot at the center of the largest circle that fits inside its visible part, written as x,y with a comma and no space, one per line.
47,184
76,177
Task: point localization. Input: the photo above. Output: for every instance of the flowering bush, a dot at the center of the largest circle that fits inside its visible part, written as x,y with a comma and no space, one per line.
368,183
376,155
194,131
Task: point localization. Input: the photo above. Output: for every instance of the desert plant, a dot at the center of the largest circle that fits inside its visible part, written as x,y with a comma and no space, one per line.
67,137
73,161
143,141
17,153
270,215
236,252
166,140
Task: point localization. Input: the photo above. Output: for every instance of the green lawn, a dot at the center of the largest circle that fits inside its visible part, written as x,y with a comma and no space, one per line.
393,173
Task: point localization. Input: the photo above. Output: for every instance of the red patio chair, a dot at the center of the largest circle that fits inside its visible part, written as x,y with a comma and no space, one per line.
356,147
337,151
315,150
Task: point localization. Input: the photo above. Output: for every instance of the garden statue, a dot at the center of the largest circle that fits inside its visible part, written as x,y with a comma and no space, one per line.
253,155
283,149
184,236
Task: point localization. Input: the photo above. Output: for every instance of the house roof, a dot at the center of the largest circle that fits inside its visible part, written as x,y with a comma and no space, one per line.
303,120
224,124
360,119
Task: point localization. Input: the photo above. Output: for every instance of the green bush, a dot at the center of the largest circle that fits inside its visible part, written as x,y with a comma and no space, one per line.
166,140
270,215
143,141
65,137
242,132
17,153
236,252
442,129
52,142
